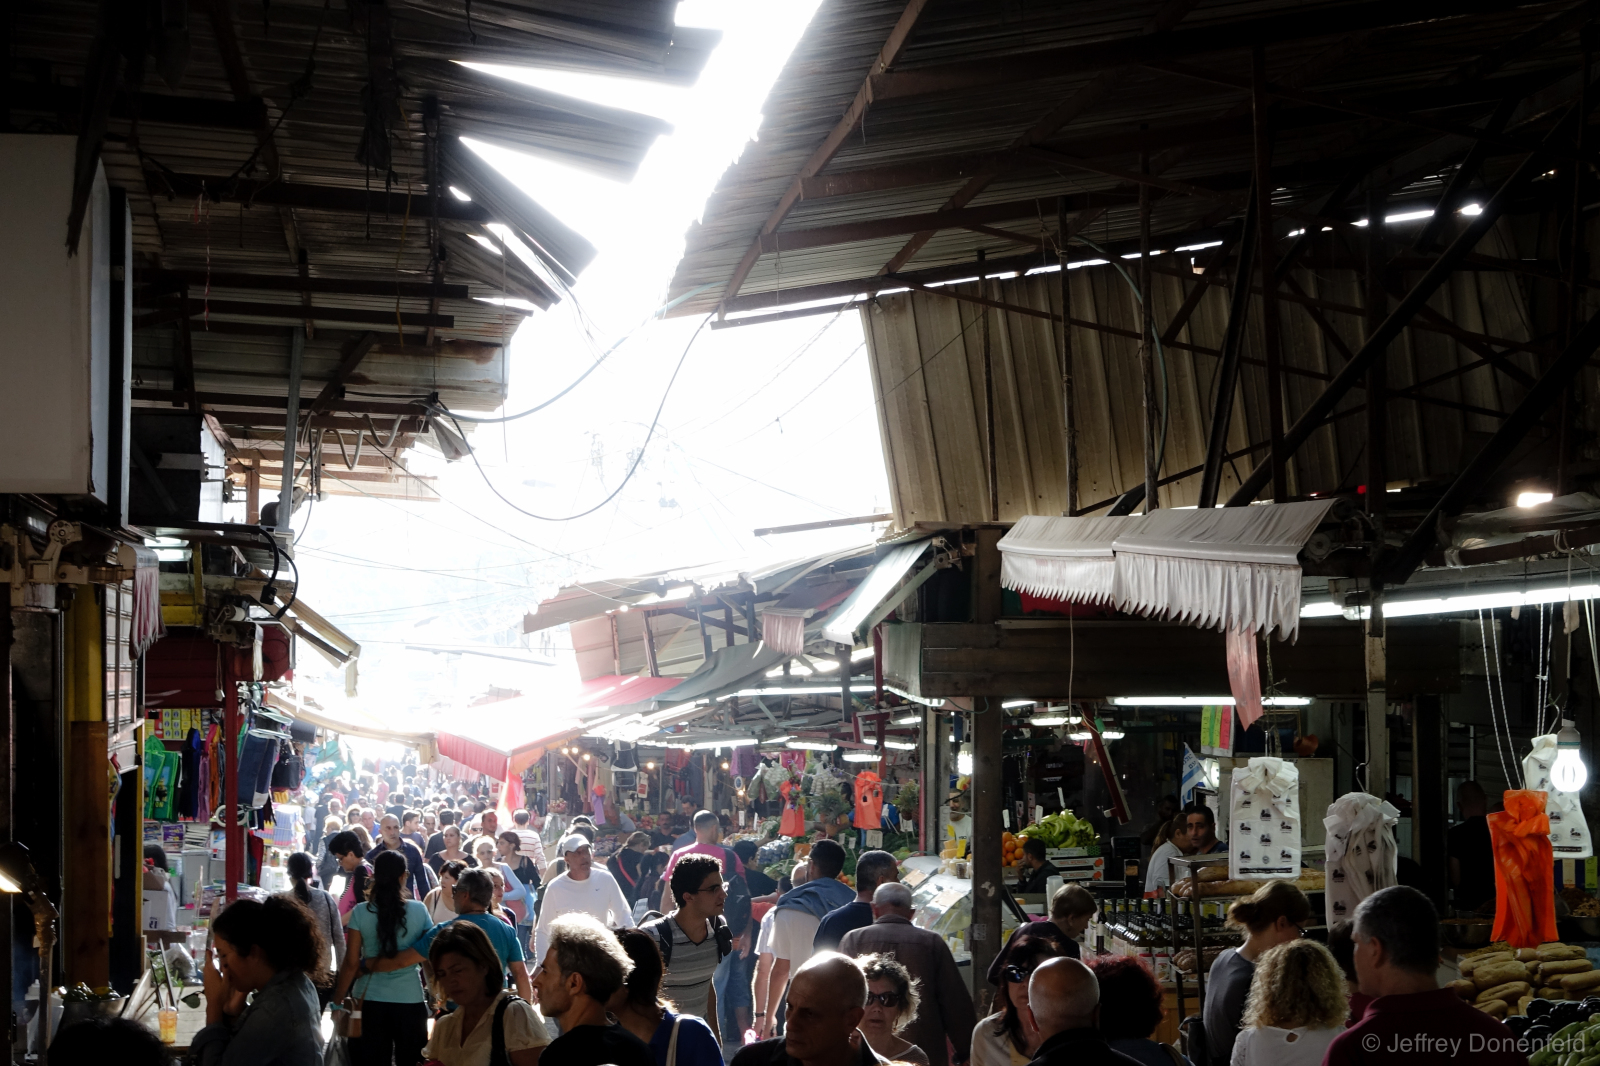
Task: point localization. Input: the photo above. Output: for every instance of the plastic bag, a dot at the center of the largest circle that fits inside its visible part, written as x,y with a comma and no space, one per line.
337,1053
1524,871
1569,830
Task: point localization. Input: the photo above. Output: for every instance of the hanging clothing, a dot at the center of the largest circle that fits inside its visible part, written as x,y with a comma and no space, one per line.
869,801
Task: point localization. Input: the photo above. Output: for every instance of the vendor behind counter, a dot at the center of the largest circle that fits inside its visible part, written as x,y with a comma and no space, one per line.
1034,877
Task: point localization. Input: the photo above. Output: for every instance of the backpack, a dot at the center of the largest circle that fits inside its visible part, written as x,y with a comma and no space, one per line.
736,909
661,929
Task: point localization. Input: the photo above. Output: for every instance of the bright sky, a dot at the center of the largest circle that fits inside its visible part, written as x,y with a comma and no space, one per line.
765,425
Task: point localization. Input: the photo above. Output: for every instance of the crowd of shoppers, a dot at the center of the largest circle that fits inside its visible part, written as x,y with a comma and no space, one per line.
657,957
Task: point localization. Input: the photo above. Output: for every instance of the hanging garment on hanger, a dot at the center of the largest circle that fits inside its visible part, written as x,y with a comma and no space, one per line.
869,801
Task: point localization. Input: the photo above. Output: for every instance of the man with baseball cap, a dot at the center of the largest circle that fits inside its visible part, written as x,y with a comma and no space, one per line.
584,888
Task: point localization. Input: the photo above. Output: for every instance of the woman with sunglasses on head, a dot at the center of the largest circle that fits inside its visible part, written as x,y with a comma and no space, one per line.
1007,1037
1276,914
892,1001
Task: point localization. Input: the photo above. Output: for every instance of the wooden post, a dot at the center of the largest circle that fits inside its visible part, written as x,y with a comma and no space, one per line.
1068,417
86,836
252,493
1269,281
1377,726
1147,354
847,709
1377,415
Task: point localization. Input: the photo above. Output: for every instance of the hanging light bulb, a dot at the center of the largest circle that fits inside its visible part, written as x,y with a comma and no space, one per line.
964,760
649,766
1568,774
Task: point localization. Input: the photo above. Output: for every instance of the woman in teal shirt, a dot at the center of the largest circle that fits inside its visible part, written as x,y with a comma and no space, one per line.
394,1018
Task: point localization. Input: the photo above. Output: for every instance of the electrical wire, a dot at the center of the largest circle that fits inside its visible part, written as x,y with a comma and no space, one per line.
1161,353
637,459
657,313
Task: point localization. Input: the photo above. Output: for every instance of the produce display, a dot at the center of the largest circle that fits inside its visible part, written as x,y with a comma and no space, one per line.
1515,983
1063,830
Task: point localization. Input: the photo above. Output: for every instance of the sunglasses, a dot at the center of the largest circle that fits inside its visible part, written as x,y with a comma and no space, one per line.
886,999
1016,974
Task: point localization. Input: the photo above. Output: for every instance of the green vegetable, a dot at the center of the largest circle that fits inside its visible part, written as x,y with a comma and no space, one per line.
1063,830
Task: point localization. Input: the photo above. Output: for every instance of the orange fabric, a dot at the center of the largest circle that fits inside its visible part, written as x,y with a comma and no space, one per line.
1524,871
793,822
869,801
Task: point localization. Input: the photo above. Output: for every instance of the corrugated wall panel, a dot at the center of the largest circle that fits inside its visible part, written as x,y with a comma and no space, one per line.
927,363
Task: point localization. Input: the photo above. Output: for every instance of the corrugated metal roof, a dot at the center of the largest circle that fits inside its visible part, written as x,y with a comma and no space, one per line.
264,143
913,154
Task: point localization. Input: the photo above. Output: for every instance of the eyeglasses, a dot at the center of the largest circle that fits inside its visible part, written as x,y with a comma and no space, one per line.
721,886
1016,974
886,999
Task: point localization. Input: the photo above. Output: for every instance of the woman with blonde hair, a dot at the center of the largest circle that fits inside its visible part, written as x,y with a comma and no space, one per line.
1277,914
1296,1007
892,1000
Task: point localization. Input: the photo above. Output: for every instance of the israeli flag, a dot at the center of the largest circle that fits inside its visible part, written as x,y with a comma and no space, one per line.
1194,775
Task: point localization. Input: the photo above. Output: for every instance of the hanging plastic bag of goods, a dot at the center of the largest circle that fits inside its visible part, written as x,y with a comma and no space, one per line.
1264,821
1361,853
1524,871
1569,830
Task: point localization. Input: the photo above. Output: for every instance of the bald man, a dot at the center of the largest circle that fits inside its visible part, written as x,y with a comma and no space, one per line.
1064,999
827,998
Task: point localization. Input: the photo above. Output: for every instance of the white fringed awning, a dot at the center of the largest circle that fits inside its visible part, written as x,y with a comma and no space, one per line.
1062,558
1230,568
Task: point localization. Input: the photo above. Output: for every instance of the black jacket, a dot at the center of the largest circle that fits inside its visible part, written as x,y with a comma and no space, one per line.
1080,1047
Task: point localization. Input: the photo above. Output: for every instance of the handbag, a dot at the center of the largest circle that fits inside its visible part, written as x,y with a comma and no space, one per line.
497,1035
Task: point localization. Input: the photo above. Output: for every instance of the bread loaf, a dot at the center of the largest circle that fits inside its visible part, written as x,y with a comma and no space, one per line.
1509,991
1498,973
1472,962
1555,952
1527,954
1551,993
1495,1008
1521,1006
1464,989
1579,981
1564,966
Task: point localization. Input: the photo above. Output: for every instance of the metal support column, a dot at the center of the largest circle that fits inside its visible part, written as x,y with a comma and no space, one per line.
233,831
988,726
291,428
988,397
7,830
1147,355
1429,801
1260,103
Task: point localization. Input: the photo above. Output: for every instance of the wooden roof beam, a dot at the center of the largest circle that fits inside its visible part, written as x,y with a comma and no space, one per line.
419,290
285,194
216,401
932,221
171,312
350,357
887,55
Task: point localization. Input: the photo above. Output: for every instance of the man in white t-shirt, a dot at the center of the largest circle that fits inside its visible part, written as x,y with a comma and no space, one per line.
584,887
